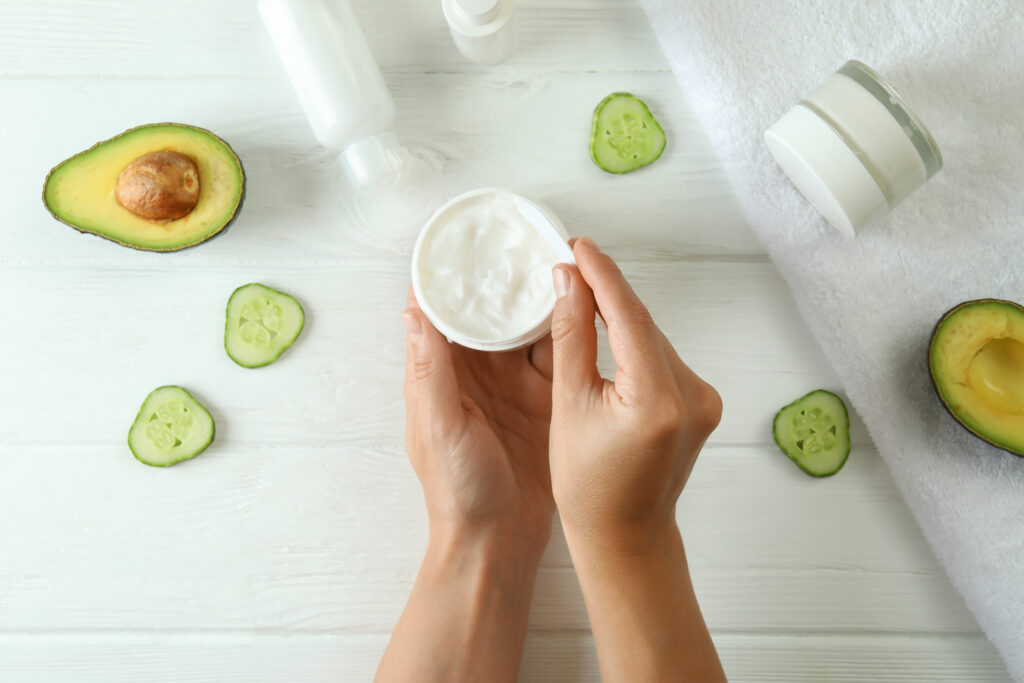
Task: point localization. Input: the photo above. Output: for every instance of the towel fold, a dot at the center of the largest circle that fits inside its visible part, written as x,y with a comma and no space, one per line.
873,301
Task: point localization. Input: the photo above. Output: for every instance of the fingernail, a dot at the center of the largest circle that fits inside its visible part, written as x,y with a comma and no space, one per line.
412,325
561,279
589,243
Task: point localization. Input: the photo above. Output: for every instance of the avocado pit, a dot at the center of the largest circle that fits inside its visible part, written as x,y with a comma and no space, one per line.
159,186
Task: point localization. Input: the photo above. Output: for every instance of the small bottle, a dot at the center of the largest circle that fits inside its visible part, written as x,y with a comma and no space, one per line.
483,30
347,103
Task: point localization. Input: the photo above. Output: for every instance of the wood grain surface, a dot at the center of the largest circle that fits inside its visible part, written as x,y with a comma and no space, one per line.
286,552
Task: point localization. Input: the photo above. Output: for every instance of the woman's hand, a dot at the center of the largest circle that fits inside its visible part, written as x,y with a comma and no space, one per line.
622,450
477,434
621,453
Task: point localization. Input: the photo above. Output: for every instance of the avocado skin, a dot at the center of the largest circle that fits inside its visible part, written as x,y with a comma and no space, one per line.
936,381
223,228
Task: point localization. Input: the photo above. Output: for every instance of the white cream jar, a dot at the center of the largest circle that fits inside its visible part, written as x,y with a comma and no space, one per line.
854,148
481,269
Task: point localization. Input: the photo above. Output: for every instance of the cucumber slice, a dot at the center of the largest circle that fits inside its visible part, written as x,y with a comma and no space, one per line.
261,324
814,431
171,426
624,135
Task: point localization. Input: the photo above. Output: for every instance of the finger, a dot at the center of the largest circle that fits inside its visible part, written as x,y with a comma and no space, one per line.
541,357
573,337
431,386
634,339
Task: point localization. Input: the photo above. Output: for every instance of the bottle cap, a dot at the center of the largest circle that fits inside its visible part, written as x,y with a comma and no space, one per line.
478,11
373,160
393,191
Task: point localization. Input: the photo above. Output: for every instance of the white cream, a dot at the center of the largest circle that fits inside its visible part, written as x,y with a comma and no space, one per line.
485,270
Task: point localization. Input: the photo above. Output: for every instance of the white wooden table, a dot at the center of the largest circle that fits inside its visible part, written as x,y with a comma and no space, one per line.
286,551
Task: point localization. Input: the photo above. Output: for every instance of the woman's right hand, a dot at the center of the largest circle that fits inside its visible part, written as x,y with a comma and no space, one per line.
621,451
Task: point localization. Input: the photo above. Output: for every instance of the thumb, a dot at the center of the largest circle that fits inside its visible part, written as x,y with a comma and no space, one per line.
573,336
431,386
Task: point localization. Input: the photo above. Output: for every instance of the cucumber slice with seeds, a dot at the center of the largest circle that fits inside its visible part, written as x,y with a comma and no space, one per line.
171,426
624,135
814,431
261,324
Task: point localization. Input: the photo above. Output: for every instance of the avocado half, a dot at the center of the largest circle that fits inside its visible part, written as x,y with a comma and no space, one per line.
80,191
976,359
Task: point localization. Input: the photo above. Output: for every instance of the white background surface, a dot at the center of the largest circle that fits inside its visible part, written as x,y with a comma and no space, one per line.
286,551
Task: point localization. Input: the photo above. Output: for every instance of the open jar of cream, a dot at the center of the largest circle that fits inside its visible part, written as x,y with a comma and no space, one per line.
481,269
854,148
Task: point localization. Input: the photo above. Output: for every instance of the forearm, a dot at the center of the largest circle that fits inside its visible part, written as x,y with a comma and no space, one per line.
466,617
643,611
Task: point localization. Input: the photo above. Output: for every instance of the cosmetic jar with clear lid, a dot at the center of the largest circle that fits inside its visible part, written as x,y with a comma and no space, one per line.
854,148
481,269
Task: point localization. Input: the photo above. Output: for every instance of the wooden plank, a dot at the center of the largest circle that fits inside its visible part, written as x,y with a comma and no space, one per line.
88,344
193,37
331,538
151,658
529,133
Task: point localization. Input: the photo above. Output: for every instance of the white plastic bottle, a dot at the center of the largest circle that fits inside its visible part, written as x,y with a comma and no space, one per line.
346,101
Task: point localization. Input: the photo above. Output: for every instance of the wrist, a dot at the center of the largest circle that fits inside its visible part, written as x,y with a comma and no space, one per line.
488,553
622,541
511,537
486,578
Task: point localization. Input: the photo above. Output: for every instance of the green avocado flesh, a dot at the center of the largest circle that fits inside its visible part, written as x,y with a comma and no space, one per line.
261,324
171,426
976,359
81,190
624,135
814,431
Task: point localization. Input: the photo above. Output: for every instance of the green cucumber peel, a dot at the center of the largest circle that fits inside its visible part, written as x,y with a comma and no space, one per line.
260,324
814,431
